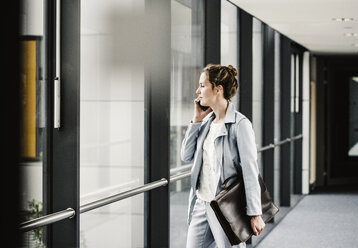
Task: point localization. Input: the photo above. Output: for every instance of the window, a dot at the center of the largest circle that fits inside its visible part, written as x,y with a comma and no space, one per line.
229,38
187,62
112,121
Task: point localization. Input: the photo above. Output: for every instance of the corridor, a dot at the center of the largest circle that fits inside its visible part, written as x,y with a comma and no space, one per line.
322,219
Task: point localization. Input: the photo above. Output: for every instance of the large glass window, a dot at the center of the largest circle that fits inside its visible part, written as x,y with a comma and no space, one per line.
257,84
229,38
112,121
187,60
34,83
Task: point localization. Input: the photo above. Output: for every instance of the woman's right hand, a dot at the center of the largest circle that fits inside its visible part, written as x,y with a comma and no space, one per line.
199,114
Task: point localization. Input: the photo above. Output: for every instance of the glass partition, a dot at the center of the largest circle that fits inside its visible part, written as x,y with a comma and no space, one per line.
112,121
187,44
277,119
229,38
33,118
257,85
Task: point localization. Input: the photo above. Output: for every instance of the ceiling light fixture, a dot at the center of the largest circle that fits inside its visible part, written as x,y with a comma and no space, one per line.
351,34
343,19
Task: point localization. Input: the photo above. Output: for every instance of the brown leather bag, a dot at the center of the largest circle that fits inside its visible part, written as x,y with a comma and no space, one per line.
230,208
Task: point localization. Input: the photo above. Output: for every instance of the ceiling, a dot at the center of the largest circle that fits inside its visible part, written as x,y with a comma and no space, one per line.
310,22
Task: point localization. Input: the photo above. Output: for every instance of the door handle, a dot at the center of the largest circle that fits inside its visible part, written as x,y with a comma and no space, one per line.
57,103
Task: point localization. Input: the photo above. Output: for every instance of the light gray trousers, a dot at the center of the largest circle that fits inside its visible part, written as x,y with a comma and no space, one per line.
205,230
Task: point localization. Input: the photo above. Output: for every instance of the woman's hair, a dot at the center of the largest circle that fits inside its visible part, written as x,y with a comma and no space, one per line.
225,76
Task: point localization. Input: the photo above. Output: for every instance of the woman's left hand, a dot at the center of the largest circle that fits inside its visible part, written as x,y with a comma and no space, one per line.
257,224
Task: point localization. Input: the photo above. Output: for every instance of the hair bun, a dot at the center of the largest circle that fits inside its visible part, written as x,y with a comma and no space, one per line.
232,70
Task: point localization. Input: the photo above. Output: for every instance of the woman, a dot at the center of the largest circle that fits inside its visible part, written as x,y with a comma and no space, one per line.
218,132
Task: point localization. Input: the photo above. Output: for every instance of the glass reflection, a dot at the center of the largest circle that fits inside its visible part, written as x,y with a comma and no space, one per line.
229,39
257,85
33,126
187,27
112,121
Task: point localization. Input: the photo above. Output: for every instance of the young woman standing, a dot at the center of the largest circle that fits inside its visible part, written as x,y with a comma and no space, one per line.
209,131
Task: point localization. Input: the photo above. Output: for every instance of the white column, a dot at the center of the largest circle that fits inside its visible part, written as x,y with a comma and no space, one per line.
305,121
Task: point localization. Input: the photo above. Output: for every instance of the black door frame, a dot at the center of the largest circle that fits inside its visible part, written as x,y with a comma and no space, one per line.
61,182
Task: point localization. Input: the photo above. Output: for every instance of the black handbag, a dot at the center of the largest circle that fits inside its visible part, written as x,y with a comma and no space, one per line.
229,207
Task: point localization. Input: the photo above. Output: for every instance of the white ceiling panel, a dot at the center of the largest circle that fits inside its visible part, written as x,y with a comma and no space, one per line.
310,23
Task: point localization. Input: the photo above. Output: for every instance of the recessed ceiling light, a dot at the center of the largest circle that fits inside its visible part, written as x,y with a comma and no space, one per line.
351,34
343,19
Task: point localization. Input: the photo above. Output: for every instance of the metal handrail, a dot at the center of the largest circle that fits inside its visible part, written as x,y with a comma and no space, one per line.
108,190
70,213
180,176
117,197
271,146
48,219
264,148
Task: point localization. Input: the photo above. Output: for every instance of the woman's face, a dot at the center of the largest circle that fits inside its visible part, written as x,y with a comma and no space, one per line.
206,94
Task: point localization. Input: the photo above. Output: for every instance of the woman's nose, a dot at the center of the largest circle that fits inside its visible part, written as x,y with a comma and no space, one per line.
197,91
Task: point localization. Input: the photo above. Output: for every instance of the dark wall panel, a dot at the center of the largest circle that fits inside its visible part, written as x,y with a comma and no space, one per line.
212,31
245,71
157,121
285,95
269,107
65,162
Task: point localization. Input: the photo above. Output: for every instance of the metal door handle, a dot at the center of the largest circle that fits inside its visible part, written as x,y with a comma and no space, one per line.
57,101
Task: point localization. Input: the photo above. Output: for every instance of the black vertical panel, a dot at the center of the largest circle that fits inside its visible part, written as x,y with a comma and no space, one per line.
245,71
65,163
245,66
157,117
50,32
212,31
297,189
10,124
269,106
321,109
285,95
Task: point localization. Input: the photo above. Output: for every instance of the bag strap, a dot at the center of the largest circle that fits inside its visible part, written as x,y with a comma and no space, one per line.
222,161
223,185
225,181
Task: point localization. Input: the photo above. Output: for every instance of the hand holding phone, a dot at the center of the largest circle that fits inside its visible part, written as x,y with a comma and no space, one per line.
200,111
204,108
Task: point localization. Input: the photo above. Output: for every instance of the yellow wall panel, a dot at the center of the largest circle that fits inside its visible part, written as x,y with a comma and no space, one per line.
28,99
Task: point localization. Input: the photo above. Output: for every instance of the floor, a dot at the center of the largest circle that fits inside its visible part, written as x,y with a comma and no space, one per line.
325,218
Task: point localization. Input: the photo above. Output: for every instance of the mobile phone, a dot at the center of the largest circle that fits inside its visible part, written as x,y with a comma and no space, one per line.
204,108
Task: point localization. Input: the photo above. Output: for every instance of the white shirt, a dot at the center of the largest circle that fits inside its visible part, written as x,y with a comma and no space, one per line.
207,187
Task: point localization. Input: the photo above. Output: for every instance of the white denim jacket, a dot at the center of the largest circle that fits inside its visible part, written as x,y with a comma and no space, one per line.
239,150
